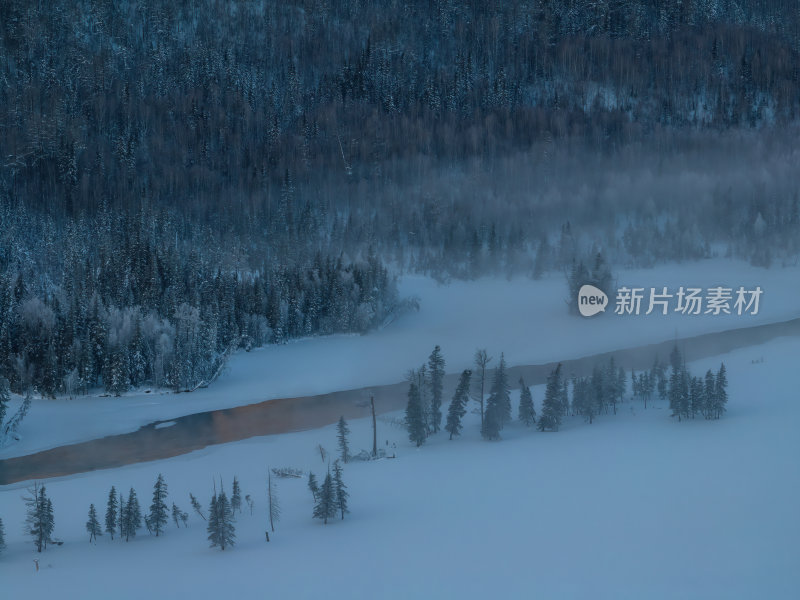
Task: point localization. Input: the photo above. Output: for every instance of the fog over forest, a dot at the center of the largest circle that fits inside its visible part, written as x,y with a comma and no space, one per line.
179,180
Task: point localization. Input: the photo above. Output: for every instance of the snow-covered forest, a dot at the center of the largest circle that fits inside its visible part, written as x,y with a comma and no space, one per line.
180,180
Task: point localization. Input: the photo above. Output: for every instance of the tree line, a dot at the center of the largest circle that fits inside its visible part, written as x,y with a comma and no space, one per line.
589,396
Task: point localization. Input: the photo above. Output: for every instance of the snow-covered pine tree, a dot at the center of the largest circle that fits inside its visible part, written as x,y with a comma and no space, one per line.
221,530
273,506
196,506
502,391
415,415
325,508
436,380
123,508
93,525
112,512
492,418
2,537
720,392
340,489
482,359
157,518
564,397
39,519
551,407
527,412
313,486
458,405
696,396
709,395
342,431
236,496
133,516
179,516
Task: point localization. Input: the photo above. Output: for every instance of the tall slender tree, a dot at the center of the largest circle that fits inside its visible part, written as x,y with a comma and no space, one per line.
551,407
527,412
221,530
236,496
93,525
415,415
39,521
112,508
482,359
273,506
2,537
436,366
325,508
313,486
340,490
342,433
157,518
458,405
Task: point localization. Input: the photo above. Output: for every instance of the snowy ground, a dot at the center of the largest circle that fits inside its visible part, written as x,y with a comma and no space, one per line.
635,506
526,319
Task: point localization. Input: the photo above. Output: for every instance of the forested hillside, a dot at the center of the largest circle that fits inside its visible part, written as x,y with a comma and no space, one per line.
180,179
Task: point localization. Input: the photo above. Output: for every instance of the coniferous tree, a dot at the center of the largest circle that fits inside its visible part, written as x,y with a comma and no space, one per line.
527,412
342,431
458,405
2,537
123,508
325,508
236,496
5,398
709,395
221,530
415,416
482,359
720,392
93,525
340,490
273,506
132,516
492,418
551,407
112,511
196,506
313,486
502,390
39,520
179,516
157,518
436,366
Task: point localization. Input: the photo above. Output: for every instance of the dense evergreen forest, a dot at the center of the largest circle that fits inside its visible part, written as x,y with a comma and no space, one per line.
181,179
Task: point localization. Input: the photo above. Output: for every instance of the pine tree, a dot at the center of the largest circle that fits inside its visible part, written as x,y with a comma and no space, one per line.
274,507
236,496
157,518
112,508
313,486
196,506
93,525
415,416
132,514
342,431
325,508
458,405
482,359
551,407
527,412
436,379
5,398
492,418
720,392
2,537
340,490
709,395
179,516
221,530
502,390
39,520
123,507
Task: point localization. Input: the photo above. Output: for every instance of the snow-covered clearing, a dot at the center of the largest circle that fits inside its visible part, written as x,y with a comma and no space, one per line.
633,506
524,318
